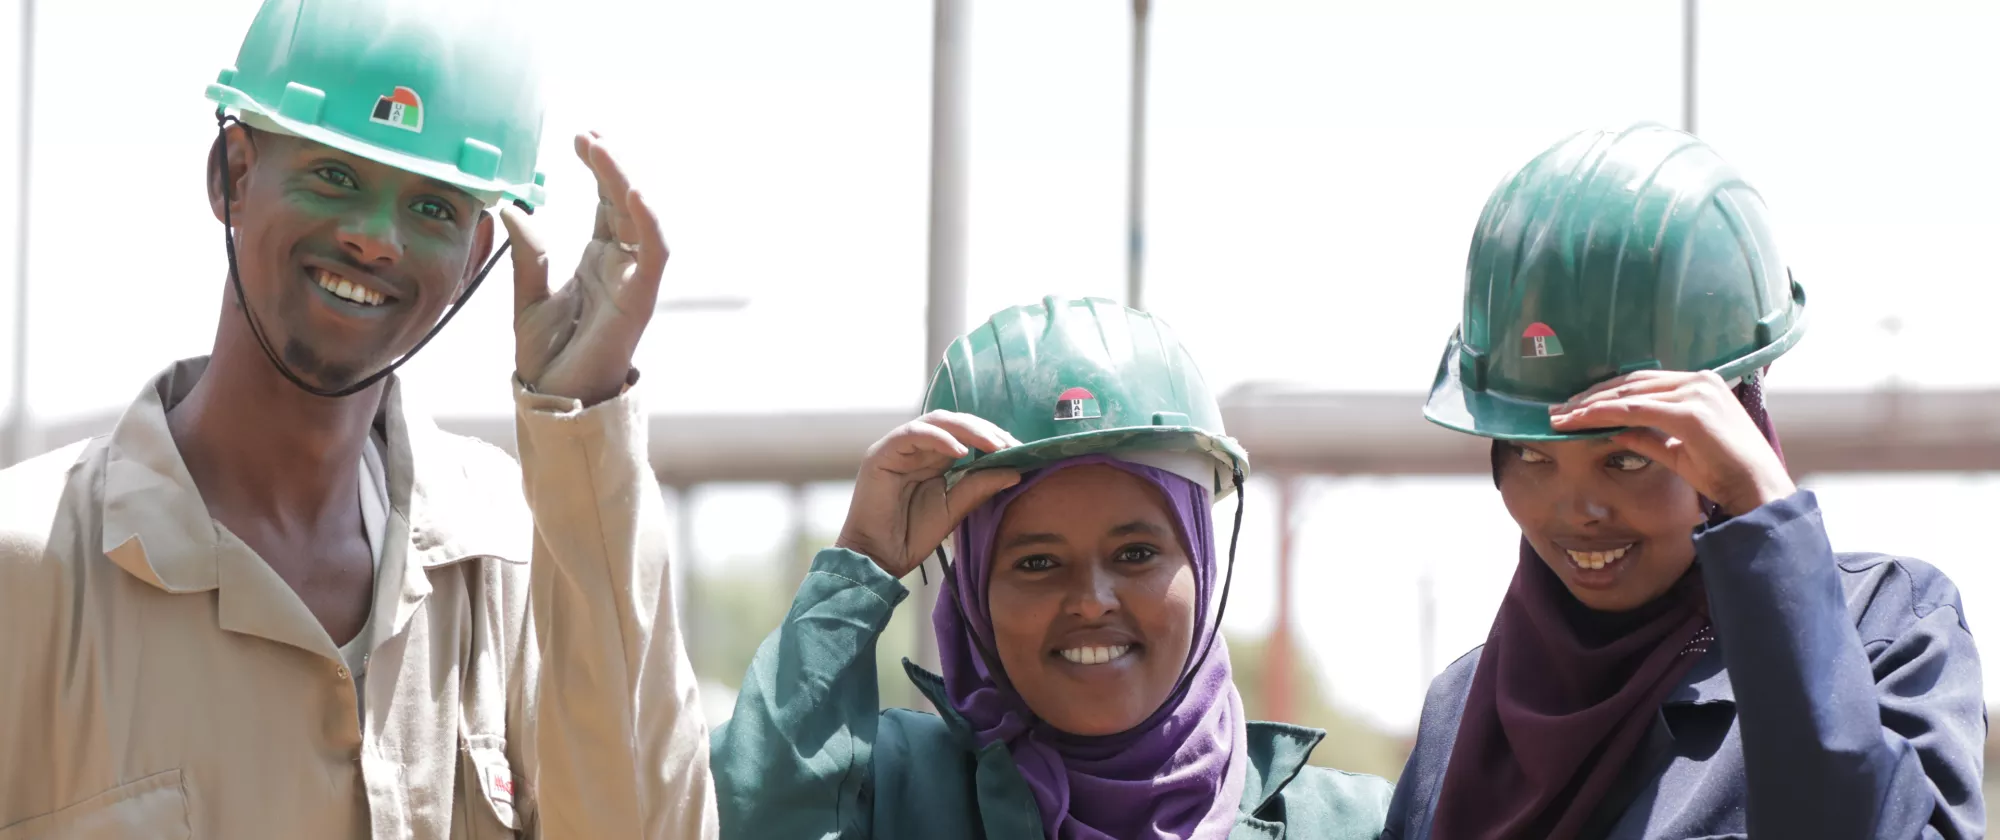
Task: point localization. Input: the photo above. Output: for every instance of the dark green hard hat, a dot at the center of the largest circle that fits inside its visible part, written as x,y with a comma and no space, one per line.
1612,252
1081,377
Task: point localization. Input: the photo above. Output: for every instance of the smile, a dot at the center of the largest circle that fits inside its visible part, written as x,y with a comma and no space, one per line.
1095,654
1595,560
346,290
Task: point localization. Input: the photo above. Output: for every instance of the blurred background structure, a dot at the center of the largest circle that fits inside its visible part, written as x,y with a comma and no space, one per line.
1291,183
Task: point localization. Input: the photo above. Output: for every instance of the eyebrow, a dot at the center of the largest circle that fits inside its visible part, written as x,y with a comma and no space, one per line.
1024,540
430,185
1128,529
1137,526
471,201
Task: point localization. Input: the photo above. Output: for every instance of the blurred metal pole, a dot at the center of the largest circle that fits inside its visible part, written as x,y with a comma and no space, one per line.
1427,624
20,442
944,313
686,601
1135,198
1690,53
797,530
1279,696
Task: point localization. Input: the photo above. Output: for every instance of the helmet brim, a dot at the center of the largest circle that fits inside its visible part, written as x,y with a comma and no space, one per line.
1227,454
483,188
1489,414
1493,415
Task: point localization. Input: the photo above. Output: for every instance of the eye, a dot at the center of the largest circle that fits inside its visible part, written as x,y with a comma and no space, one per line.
1035,563
1629,462
1137,554
435,209
1532,457
337,177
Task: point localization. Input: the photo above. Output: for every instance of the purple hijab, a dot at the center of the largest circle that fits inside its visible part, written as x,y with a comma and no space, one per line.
1180,774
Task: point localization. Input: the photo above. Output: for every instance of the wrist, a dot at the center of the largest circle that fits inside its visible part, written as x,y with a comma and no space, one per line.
867,549
589,395
1763,491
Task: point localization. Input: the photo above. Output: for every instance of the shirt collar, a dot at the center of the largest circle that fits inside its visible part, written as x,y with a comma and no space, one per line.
157,528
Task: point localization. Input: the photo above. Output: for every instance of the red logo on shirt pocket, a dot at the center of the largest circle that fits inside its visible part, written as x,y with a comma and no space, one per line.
496,782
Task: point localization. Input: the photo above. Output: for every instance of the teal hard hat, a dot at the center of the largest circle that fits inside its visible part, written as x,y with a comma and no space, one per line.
447,89
1612,252
1073,377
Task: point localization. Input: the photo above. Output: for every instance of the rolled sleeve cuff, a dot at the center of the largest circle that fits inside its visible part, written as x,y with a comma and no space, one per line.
1783,535
847,569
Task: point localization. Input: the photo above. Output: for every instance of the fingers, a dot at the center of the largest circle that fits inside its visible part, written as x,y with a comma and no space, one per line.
1685,383
1655,445
933,441
614,189
643,291
971,430
935,512
975,489
531,259
917,439
1652,410
1619,387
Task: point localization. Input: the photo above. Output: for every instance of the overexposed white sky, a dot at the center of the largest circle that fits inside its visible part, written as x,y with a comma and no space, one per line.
1315,170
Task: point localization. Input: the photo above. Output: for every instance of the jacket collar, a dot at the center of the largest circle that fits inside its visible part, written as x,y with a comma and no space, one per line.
157,528
1277,751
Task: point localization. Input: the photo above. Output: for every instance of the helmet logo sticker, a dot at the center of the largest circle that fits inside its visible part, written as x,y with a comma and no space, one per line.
402,109
1538,341
1077,404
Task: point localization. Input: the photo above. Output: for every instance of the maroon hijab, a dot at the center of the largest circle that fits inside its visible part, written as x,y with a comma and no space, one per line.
1564,695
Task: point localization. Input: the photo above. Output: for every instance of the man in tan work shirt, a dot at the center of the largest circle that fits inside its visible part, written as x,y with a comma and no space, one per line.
274,603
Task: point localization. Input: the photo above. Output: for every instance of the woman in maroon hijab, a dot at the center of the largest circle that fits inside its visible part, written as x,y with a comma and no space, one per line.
1681,654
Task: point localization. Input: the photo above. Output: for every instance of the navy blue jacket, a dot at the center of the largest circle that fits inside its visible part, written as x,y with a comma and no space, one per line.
1842,699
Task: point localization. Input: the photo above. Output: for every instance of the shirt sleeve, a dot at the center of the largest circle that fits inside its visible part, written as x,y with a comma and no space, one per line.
1859,720
619,742
35,599
795,758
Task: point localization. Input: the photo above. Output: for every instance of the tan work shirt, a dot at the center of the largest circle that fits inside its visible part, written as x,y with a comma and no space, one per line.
526,675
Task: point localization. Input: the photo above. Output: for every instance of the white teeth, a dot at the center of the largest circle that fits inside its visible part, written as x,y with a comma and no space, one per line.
1094,655
1595,560
347,290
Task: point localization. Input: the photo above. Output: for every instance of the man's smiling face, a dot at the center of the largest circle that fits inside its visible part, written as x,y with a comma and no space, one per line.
346,263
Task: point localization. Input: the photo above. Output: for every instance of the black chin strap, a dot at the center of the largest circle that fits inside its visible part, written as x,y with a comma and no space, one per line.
222,121
1186,682
1236,476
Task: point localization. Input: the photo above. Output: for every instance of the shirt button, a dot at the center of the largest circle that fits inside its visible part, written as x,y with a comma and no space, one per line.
341,672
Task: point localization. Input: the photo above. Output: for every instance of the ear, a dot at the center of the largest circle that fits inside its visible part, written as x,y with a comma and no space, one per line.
482,249
230,159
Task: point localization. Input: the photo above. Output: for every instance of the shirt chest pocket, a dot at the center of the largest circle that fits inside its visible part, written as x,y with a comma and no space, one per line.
486,804
152,808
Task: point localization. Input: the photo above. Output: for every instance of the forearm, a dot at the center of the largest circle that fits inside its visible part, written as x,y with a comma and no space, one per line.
620,738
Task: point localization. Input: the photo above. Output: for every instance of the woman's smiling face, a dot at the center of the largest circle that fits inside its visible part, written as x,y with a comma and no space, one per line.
1092,594
1616,527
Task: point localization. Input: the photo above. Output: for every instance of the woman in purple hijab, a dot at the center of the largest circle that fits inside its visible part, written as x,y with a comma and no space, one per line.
1072,454
1681,653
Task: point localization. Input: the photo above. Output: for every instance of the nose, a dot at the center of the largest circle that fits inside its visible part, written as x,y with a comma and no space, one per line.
370,237
1582,507
1095,594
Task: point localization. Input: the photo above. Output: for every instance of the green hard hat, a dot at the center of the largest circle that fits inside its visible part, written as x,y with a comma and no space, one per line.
1082,377
446,89
1612,252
